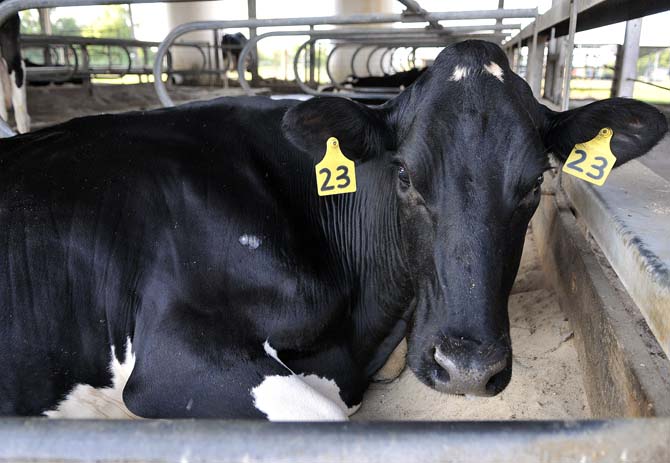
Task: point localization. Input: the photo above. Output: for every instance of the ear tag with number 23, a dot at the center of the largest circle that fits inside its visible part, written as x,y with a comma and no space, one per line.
335,174
593,160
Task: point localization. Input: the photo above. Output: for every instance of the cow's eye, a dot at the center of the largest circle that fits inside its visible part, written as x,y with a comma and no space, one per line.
533,193
403,175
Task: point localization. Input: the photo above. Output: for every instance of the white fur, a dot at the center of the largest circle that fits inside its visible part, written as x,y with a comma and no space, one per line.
20,101
460,72
5,90
85,401
495,70
299,397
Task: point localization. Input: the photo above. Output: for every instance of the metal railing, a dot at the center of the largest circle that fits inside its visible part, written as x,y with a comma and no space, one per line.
639,441
372,18
81,49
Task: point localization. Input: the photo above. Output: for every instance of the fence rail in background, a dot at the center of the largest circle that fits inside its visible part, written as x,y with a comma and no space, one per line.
82,65
372,18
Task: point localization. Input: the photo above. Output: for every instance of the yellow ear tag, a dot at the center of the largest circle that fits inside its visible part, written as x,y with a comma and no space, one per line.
593,160
335,174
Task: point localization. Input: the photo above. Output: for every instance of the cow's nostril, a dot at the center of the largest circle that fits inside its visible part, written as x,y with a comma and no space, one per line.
498,381
463,372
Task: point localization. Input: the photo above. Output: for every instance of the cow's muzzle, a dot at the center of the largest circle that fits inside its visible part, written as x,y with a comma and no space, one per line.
466,366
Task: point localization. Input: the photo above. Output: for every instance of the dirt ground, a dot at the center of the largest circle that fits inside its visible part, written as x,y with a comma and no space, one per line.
546,379
58,103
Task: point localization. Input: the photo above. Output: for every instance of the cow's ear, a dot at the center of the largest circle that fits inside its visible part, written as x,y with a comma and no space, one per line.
361,131
637,127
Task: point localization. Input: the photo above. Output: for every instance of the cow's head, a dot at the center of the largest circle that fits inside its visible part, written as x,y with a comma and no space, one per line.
459,158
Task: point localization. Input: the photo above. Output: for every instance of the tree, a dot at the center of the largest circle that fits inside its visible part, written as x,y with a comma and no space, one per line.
30,22
66,26
113,22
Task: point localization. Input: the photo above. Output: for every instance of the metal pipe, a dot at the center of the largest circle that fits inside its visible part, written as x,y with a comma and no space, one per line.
370,55
414,7
10,7
38,439
378,37
381,61
574,9
308,21
352,62
310,91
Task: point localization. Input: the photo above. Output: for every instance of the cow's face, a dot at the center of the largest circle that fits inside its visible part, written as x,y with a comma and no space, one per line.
459,159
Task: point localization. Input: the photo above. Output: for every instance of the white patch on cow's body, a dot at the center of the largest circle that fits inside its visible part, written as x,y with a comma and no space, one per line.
250,241
299,397
85,401
20,101
495,70
460,72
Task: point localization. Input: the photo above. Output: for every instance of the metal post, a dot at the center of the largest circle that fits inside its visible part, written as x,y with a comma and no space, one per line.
501,5
45,25
132,21
630,54
251,8
551,64
217,60
574,9
517,64
312,58
535,62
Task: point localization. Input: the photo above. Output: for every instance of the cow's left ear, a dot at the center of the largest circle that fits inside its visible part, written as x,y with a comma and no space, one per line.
361,131
637,127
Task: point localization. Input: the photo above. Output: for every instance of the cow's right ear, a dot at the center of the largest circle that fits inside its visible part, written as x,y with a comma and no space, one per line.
361,131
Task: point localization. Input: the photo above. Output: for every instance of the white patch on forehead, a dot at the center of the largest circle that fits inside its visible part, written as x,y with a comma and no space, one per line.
299,397
250,241
495,70
85,401
460,72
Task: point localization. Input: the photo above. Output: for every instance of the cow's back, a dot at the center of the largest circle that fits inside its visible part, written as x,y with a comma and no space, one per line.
97,214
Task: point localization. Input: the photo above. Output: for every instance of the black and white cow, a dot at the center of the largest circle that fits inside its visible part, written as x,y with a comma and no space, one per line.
13,74
179,263
232,45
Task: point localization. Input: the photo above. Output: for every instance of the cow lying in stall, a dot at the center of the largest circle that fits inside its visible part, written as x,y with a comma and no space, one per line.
402,79
179,262
13,74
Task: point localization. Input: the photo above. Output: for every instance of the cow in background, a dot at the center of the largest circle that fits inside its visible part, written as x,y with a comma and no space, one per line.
232,45
13,74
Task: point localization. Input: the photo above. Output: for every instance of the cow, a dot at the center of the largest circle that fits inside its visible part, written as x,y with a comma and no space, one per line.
13,74
400,79
232,45
180,263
